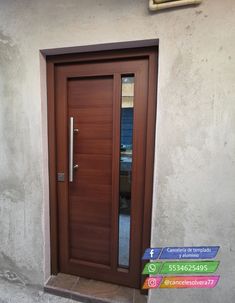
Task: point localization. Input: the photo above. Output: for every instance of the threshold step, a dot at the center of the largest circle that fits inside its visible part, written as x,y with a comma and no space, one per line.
91,291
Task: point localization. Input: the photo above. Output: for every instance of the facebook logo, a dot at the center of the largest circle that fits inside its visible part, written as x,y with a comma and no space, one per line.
151,253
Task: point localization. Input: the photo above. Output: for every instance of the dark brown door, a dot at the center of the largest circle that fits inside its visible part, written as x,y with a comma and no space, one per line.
101,126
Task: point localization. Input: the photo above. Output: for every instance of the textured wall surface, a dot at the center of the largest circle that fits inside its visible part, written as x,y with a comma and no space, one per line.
194,196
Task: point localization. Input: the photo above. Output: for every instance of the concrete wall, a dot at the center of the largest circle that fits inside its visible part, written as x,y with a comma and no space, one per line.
194,197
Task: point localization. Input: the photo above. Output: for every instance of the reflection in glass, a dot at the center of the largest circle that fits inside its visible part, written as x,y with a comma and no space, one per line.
127,104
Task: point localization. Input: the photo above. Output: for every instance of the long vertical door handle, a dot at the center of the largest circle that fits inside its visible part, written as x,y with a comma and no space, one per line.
71,132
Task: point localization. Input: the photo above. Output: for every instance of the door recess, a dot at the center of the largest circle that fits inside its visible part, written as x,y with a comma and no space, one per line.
101,120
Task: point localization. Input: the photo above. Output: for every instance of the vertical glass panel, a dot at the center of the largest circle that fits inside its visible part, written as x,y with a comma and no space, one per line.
126,128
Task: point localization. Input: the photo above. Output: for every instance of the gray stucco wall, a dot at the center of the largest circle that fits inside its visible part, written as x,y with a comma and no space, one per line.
194,196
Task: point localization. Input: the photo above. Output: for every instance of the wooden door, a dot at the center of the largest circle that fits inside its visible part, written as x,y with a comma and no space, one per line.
88,116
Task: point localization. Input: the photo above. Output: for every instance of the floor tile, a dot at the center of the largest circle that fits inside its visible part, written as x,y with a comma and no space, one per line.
63,281
105,291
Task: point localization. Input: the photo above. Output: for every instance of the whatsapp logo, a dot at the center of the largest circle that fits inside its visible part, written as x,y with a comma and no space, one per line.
152,268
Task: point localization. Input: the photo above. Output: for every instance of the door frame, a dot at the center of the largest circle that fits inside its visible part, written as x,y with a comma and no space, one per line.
136,49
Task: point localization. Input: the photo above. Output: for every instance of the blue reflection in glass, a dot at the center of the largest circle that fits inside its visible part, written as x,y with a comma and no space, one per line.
127,109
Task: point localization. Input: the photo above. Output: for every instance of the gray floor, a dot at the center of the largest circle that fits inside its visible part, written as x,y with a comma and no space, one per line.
16,293
19,293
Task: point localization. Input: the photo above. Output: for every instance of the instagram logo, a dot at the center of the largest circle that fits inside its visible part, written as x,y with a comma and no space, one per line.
152,282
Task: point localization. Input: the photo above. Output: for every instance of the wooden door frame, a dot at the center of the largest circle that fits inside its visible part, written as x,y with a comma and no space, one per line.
136,49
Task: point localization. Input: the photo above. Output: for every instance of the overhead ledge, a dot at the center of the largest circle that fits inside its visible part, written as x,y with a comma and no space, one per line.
155,5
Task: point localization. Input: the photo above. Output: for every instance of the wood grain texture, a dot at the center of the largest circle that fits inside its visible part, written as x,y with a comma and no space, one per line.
90,102
87,222
52,167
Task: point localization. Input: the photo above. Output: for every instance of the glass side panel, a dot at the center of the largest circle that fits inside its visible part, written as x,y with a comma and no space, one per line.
126,138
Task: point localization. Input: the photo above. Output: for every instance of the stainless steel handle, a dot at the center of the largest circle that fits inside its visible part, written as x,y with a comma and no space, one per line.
71,122
71,139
